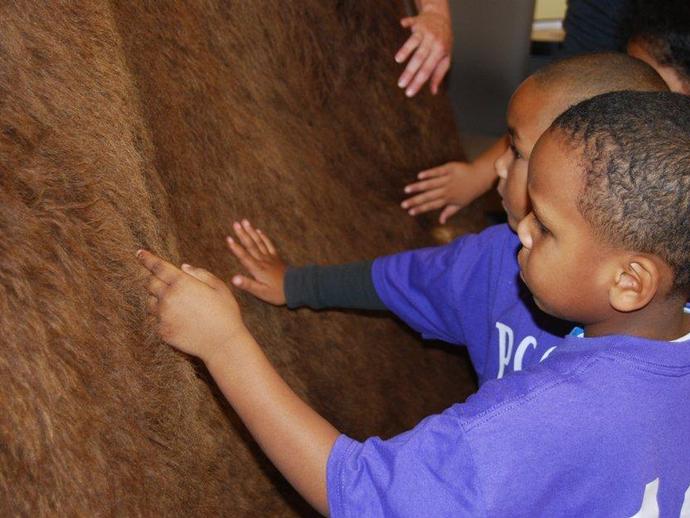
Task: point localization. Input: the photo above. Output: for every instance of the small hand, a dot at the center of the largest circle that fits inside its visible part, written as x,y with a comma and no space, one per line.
196,311
258,255
451,186
430,46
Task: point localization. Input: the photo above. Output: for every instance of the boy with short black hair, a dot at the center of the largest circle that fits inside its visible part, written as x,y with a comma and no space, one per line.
600,428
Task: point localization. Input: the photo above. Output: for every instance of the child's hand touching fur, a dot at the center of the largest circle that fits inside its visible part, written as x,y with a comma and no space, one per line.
258,255
196,311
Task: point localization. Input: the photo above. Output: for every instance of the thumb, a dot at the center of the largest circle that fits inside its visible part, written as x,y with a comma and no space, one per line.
447,213
202,275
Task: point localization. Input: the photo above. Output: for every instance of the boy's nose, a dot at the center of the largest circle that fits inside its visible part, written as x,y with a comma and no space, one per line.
501,164
523,231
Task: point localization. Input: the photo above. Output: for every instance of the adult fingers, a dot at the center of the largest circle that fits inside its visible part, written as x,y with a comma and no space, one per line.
246,240
419,57
447,213
425,185
202,275
255,236
242,255
408,47
425,70
267,242
439,73
165,271
416,203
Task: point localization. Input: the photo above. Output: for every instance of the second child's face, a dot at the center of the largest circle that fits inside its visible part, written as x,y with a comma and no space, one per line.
529,115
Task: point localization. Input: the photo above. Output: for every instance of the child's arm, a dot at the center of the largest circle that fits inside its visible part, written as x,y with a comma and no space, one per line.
430,46
454,185
271,280
198,315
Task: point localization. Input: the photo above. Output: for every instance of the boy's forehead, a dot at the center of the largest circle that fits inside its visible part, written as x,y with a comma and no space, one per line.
555,168
531,111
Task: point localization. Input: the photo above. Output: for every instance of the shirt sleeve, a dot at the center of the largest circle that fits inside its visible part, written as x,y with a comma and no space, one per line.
347,286
427,471
446,292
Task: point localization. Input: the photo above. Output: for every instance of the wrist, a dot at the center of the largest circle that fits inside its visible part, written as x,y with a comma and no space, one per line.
230,350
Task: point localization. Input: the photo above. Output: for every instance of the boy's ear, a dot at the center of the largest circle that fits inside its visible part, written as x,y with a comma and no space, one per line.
637,281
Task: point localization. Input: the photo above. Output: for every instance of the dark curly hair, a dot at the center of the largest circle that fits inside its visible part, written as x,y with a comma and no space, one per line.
635,153
663,26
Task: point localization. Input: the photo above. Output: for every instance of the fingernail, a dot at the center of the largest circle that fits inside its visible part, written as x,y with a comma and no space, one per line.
407,189
139,252
411,212
409,92
236,281
185,266
245,222
229,239
403,205
401,83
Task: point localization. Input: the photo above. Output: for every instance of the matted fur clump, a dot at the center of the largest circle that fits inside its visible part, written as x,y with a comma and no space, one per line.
131,124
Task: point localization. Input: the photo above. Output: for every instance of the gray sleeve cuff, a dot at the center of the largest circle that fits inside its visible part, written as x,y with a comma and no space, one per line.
346,286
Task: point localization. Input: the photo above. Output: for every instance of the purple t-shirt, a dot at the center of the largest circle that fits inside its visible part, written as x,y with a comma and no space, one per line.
469,292
601,428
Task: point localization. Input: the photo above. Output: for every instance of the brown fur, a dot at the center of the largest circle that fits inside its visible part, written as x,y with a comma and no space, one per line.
127,125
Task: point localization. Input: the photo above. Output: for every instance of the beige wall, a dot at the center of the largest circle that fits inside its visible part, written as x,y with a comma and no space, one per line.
549,9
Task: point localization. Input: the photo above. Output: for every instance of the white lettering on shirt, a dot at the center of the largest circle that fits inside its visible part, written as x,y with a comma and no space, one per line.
506,340
650,503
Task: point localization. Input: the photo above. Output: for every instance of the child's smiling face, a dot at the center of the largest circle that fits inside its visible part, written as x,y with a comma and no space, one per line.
561,261
530,112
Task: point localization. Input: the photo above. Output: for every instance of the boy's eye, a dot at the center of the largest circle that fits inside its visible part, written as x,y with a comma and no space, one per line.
541,227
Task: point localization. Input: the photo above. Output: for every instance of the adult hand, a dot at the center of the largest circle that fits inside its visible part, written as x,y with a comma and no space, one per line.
430,46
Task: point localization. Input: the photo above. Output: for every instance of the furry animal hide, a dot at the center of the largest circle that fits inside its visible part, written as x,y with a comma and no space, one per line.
156,124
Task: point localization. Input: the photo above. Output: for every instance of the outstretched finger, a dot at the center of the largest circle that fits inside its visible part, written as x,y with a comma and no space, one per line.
439,73
434,172
246,240
426,207
267,241
425,70
255,236
202,275
242,255
416,202
408,47
162,269
425,185
249,285
419,57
